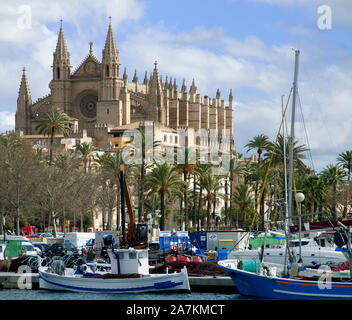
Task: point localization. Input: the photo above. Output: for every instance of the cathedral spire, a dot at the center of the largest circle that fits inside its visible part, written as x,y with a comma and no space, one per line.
24,101
24,93
61,52
110,57
110,45
61,62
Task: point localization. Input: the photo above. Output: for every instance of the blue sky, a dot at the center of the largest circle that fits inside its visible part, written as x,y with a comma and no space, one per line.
245,45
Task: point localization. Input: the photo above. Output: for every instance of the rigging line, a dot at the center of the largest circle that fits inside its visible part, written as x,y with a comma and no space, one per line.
305,130
267,169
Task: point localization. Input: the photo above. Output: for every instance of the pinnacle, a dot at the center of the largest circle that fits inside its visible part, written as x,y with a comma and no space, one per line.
184,87
155,81
125,76
135,77
218,94
91,48
193,88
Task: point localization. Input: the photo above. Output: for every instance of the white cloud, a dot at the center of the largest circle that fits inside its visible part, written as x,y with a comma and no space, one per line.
234,64
7,121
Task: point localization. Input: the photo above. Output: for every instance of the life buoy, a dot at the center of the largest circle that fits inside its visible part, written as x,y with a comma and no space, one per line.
184,245
174,247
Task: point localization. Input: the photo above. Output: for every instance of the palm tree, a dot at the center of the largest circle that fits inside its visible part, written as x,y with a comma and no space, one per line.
212,185
345,161
85,149
111,164
278,157
260,143
55,122
164,181
333,175
243,202
186,169
311,188
140,146
200,171
237,169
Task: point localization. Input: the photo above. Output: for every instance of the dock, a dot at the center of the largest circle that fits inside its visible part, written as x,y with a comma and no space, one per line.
216,284
30,281
13,280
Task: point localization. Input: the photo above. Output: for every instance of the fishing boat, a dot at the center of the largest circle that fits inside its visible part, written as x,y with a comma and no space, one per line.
129,274
271,282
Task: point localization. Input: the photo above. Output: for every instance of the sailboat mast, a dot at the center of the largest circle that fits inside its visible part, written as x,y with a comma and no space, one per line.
285,165
292,138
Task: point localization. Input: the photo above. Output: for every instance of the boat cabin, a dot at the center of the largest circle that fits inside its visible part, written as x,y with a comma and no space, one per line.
313,242
126,261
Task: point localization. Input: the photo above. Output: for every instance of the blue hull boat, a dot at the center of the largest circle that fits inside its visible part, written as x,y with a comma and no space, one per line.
257,285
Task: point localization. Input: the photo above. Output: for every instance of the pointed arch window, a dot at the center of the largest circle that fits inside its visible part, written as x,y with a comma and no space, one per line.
107,71
58,73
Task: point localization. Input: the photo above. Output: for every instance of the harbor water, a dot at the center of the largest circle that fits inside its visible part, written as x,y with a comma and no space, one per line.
17,294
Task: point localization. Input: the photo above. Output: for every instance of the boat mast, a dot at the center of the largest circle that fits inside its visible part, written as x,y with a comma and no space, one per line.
285,165
292,138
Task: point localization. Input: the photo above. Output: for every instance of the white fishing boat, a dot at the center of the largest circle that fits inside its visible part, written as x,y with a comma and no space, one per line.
129,273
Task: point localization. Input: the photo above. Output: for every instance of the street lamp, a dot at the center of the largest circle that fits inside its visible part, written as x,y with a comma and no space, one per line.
300,198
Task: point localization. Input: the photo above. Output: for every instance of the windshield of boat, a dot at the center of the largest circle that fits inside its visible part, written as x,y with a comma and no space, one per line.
296,243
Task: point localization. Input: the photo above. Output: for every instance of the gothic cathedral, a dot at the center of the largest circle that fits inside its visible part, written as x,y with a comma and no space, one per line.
100,100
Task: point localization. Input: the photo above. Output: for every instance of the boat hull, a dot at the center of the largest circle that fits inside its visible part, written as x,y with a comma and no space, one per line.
154,283
252,284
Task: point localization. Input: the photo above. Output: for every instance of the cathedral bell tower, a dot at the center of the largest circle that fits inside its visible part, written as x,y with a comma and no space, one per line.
109,88
61,85
113,106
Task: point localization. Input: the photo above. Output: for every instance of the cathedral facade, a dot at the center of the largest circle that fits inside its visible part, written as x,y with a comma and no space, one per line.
100,100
